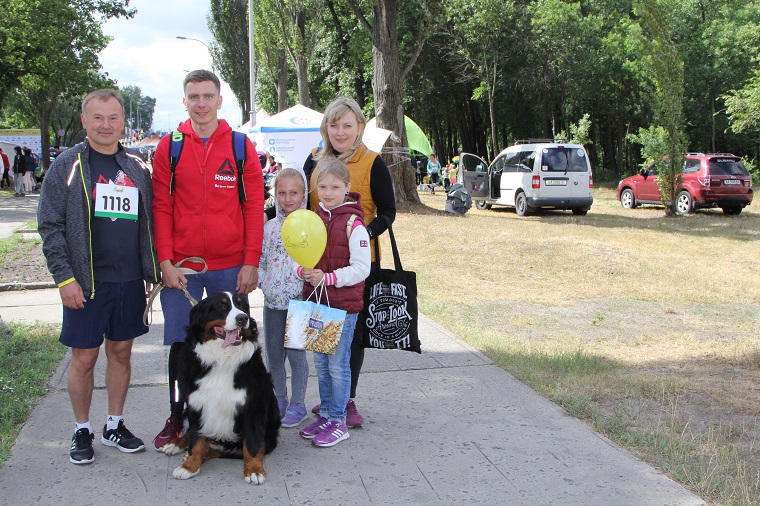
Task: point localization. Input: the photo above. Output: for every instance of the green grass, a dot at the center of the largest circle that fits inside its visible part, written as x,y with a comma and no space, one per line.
644,326
16,247
29,354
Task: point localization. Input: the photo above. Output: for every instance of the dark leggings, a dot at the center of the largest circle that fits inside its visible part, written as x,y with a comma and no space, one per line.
177,405
357,355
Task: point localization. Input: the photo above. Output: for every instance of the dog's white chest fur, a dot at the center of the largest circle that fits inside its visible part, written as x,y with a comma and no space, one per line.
216,398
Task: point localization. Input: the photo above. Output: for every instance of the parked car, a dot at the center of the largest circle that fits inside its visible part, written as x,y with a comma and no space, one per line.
529,175
708,180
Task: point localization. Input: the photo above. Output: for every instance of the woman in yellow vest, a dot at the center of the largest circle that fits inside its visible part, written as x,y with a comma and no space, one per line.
342,130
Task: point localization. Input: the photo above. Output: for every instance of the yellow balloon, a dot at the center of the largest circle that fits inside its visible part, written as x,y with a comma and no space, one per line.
304,236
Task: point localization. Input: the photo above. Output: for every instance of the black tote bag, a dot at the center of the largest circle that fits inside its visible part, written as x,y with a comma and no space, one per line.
390,305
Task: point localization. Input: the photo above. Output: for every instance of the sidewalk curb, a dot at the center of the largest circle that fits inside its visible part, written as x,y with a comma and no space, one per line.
9,287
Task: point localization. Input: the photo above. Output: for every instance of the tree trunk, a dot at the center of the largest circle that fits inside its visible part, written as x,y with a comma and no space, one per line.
712,124
492,113
302,66
388,86
282,80
44,112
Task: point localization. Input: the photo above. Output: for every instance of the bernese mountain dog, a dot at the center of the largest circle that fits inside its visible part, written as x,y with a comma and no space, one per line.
231,409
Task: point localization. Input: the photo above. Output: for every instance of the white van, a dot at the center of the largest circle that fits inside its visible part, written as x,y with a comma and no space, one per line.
530,175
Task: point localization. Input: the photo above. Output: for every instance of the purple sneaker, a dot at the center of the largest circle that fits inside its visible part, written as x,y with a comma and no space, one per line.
294,415
315,428
332,434
353,418
315,409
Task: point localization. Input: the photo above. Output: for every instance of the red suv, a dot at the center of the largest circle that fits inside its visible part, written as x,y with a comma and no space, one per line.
713,180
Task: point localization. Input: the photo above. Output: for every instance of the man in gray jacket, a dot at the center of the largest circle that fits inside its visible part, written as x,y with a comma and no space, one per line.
95,219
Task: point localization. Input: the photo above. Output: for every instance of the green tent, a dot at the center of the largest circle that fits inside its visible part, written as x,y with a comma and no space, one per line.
417,140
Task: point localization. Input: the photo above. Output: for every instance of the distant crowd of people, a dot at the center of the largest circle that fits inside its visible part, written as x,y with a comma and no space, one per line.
21,173
434,174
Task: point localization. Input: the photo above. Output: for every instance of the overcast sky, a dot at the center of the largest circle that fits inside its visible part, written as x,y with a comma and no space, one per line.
145,52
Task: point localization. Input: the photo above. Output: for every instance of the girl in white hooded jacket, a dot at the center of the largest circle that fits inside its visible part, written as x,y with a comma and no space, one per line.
280,284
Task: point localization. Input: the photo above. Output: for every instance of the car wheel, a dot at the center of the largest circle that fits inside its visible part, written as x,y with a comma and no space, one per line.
580,211
627,199
482,205
521,205
733,210
684,204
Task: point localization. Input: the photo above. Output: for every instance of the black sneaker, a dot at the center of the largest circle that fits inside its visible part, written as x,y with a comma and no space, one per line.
121,438
81,447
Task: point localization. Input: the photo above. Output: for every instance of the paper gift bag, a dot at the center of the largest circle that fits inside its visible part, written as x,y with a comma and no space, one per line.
314,327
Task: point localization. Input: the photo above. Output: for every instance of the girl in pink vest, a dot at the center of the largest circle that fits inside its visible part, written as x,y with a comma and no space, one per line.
342,269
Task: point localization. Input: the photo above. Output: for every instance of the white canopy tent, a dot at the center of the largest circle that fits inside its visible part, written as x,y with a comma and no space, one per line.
291,135
260,116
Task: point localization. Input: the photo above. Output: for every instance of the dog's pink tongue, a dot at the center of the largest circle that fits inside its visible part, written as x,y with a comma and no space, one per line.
230,337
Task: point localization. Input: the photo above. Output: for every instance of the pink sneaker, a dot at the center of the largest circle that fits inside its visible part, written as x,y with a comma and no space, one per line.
353,418
315,428
332,434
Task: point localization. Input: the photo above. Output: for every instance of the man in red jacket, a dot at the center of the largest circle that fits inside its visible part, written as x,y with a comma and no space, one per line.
203,216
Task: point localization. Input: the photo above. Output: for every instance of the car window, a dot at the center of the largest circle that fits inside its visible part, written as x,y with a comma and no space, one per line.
691,166
727,167
512,162
561,159
527,160
652,170
498,164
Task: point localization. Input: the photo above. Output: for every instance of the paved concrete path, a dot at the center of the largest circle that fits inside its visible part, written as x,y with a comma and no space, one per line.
15,211
444,427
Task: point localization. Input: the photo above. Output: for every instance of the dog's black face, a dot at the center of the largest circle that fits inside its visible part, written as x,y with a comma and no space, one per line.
222,316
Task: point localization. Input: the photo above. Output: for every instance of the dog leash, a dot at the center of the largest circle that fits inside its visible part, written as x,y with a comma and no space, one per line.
157,289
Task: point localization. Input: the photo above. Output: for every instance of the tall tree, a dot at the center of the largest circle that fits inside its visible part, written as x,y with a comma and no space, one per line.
16,45
66,119
138,109
744,106
299,24
667,70
272,61
388,84
64,40
479,40
228,24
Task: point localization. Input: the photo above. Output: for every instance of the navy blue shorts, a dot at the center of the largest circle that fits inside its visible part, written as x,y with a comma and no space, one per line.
115,313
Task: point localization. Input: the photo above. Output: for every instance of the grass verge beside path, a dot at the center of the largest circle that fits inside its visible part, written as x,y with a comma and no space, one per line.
643,326
29,354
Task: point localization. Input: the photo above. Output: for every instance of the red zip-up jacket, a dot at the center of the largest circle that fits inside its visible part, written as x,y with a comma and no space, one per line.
204,217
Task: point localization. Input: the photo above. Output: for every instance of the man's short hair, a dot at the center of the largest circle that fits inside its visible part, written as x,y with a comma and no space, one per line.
102,95
200,76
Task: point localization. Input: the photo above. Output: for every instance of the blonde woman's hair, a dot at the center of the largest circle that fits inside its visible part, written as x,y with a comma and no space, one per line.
292,173
333,112
330,167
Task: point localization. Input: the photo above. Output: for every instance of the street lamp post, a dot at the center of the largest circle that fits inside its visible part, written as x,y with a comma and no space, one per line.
181,37
252,69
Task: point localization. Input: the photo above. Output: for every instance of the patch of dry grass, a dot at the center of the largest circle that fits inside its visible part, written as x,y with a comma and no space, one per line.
644,326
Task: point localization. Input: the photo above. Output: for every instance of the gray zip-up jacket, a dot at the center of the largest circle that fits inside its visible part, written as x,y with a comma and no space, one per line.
64,216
